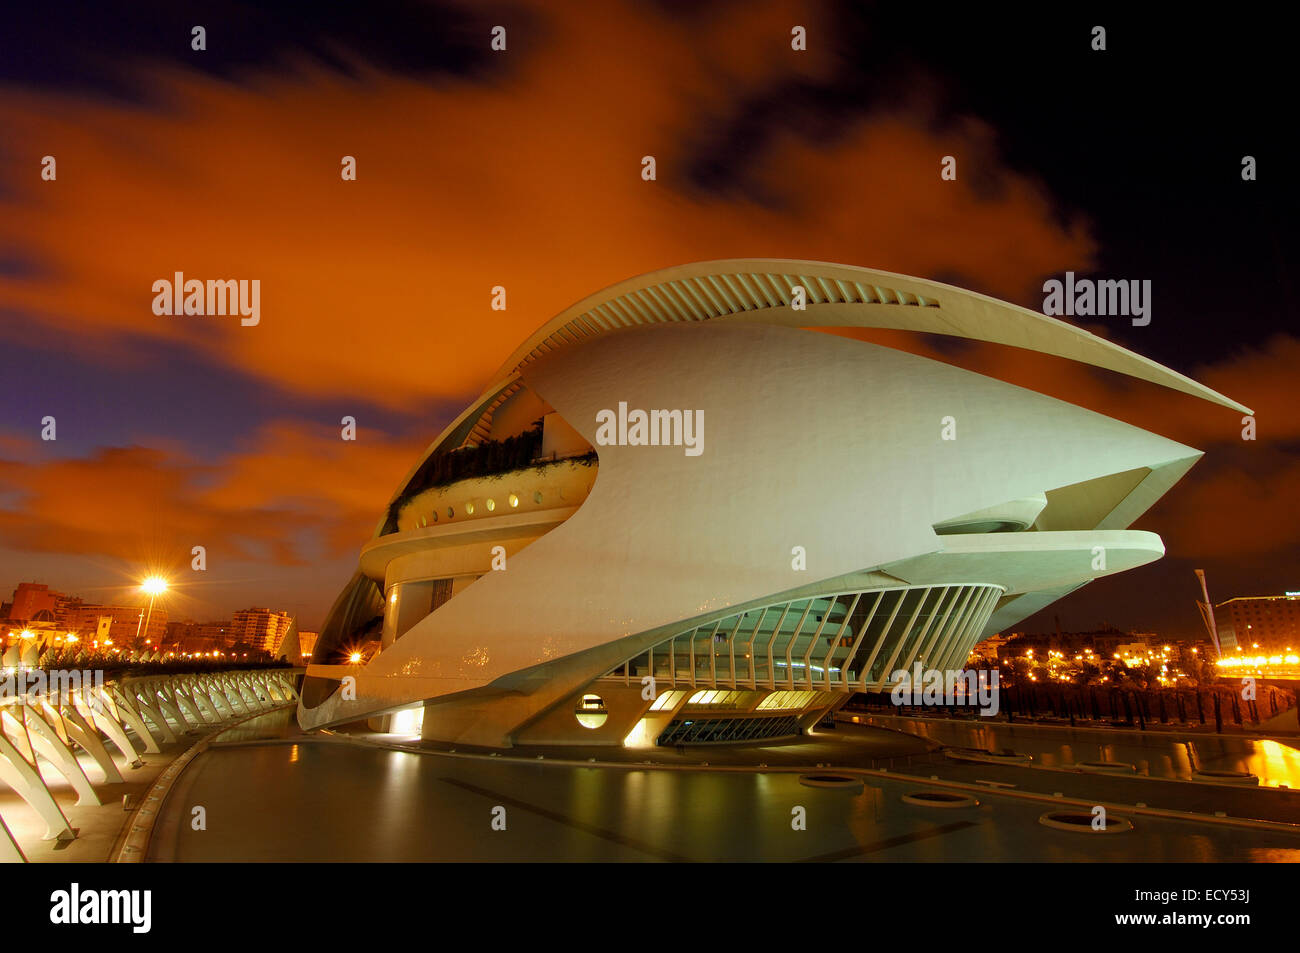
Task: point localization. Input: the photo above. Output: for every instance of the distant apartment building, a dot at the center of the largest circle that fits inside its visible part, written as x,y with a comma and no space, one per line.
120,624
261,628
38,603
33,602
1269,623
199,638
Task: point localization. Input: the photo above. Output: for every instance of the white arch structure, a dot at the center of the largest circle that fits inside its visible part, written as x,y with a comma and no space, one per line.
134,715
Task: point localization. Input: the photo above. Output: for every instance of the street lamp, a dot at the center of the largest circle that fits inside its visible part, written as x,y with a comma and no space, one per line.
153,586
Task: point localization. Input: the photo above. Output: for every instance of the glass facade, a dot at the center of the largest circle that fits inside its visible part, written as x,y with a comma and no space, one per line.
851,641
684,731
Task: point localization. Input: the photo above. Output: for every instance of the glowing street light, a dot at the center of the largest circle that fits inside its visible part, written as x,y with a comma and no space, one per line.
153,586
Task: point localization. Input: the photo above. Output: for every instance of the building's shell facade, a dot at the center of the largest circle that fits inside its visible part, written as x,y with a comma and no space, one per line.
855,510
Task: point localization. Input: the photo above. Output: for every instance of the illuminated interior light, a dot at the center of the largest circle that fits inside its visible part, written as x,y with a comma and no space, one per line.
591,711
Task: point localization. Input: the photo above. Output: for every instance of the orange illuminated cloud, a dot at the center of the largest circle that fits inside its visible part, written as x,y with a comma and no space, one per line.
294,494
380,288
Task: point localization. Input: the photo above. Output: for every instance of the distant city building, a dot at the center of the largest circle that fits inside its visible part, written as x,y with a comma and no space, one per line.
120,624
31,600
261,628
52,616
1270,622
1132,649
989,650
37,603
199,638
1105,642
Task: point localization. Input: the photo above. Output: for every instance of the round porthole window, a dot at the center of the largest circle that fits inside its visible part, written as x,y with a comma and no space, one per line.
537,497
469,508
591,711
491,504
513,500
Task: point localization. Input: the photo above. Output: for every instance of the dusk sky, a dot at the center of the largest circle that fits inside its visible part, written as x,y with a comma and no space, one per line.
522,168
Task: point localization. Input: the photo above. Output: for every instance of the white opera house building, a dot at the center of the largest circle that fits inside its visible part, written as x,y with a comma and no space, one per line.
679,513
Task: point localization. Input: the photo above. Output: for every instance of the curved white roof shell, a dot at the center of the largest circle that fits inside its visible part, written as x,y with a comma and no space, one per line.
811,440
761,289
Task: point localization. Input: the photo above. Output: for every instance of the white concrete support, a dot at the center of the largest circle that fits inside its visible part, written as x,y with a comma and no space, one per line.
169,710
862,631
234,701
249,690
50,746
23,777
10,852
84,734
37,728
12,725
147,708
812,643
275,688
956,610
185,705
880,641
835,641
204,704
906,661
959,623
217,699
130,718
103,717
789,648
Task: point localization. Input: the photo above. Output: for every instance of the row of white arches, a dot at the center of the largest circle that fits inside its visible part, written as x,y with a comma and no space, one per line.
135,715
